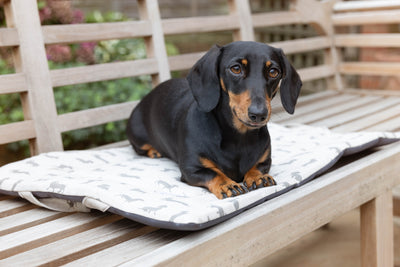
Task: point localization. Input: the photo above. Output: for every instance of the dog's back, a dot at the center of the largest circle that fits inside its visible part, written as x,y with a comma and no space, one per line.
156,119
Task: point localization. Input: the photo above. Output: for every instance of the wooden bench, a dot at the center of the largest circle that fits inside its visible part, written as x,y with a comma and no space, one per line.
35,236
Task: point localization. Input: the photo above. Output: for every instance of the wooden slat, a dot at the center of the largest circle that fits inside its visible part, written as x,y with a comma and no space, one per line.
81,244
367,18
77,33
12,83
303,45
392,124
51,231
353,114
365,5
200,24
8,37
26,219
131,249
276,18
313,107
96,116
384,115
17,131
370,68
102,72
330,110
185,61
368,40
317,72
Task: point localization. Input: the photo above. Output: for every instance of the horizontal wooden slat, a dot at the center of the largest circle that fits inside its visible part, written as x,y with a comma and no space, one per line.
370,68
185,61
17,131
102,72
200,24
354,114
317,72
51,231
367,18
8,37
96,116
303,45
382,114
330,110
23,220
81,244
365,5
12,83
276,18
131,249
77,33
368,40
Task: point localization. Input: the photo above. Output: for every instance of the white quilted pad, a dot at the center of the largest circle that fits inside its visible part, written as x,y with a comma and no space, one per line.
150,191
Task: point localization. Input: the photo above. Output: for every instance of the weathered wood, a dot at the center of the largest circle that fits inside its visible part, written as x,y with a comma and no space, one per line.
370,68
103,72
366,18
34,66
95,116
17,131
368,40
200,24
365,5
376,230
12,83
241,8
78,33
155,44
8,37
303,45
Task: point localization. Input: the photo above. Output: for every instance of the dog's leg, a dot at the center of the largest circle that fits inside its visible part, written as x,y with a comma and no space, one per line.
219,184
258,175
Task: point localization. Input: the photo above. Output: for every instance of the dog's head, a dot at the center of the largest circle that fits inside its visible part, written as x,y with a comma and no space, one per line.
249,73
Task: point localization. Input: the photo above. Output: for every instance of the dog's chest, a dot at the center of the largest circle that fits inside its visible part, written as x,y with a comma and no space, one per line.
236,159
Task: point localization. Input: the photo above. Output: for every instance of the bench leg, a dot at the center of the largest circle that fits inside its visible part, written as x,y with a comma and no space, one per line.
377,232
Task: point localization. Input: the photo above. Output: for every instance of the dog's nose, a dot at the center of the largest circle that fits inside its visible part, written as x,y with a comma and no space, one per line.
257,114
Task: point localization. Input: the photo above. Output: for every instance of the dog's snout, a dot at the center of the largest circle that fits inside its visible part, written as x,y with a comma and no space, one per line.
257,114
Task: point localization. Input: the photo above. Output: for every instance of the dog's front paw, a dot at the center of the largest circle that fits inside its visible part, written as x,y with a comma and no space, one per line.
252,182
223,187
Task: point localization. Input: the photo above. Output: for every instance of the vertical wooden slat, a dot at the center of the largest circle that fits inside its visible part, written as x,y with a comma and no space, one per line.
155,45
377,231
31,59
242,9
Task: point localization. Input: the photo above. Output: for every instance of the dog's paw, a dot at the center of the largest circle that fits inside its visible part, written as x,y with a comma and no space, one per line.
223,187
151,152
253,182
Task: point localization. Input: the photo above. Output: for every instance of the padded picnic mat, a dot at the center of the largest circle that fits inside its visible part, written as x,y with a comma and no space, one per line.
150,191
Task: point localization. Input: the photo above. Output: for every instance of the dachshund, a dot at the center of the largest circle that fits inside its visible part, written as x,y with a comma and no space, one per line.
213,123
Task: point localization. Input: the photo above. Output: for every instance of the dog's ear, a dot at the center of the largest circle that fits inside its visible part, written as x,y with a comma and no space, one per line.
290,84
203,80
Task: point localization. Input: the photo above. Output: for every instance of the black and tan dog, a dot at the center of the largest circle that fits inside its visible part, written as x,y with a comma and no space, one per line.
214,122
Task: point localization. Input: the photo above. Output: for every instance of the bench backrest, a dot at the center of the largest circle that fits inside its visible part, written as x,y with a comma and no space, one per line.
34,81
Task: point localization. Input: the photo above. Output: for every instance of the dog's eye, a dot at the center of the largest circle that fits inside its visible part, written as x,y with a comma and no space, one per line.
236,69
273,73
